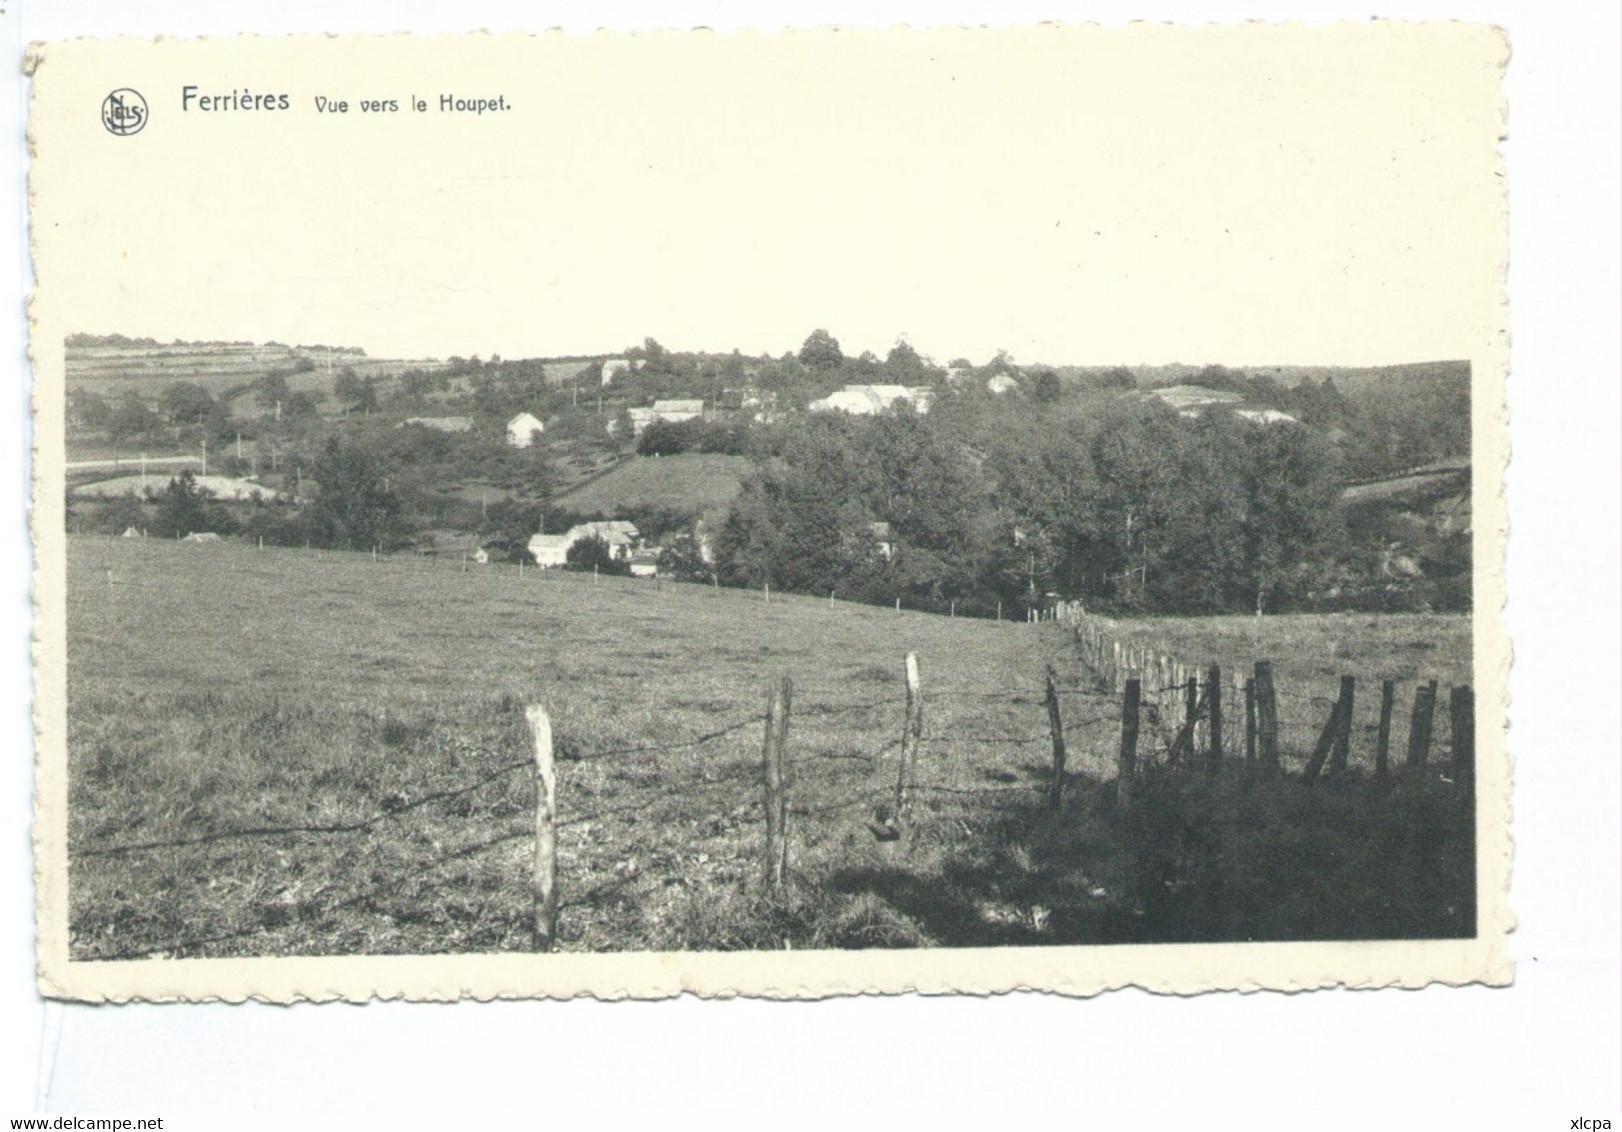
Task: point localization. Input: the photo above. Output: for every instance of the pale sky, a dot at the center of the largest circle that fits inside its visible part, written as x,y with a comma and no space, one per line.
1245,195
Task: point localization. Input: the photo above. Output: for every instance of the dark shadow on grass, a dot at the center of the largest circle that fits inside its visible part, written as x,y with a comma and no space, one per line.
1198,859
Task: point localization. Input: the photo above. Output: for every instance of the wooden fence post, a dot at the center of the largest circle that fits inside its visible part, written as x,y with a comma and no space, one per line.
1056,727
1462,706
1191,709
1250,724
1128,765
1266,718
912,732
779,698
545,890
1419,728
1340,753
1326,739
1382,737
1213,684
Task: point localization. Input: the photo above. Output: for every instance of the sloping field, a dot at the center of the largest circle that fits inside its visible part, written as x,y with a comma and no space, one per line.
290,752
698,483
147,370
216,689
220,487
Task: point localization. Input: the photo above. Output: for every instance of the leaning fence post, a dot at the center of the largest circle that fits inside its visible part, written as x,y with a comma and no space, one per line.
1326,739
1382,737
911,735
1213,684
1266,717
1419,728
778,699
1129,746
1056,727
545,893
1462,705
1341,751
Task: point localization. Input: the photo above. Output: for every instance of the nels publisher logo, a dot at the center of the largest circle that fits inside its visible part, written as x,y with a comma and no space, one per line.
124,112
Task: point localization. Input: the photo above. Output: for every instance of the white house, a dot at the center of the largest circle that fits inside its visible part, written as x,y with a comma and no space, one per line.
522,429
668,411
614,367
1001,383
550,550
673,411
553,550
871,400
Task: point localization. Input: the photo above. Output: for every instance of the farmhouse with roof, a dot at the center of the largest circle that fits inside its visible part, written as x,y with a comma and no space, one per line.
671,412
871,400
553,550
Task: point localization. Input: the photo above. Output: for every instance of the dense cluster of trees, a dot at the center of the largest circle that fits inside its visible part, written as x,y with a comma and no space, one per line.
1123,503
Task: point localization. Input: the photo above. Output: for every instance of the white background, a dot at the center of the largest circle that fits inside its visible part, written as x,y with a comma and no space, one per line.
1550,1044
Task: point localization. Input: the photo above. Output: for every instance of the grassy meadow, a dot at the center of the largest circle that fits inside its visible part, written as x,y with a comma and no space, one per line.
289,752
694,482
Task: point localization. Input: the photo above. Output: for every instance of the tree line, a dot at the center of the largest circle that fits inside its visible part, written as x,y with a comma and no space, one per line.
1121,503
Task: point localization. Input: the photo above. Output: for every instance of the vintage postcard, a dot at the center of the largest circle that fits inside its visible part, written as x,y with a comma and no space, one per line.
786,515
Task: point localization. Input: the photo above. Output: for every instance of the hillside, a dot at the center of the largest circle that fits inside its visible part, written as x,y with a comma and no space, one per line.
694,483
1350,380
147,368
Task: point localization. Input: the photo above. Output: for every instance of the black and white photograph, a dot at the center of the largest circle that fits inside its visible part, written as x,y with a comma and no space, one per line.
943,510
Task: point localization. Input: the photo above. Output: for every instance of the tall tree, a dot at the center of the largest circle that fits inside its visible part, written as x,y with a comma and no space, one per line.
182,508
355,506
185,402
821,351
1291,488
